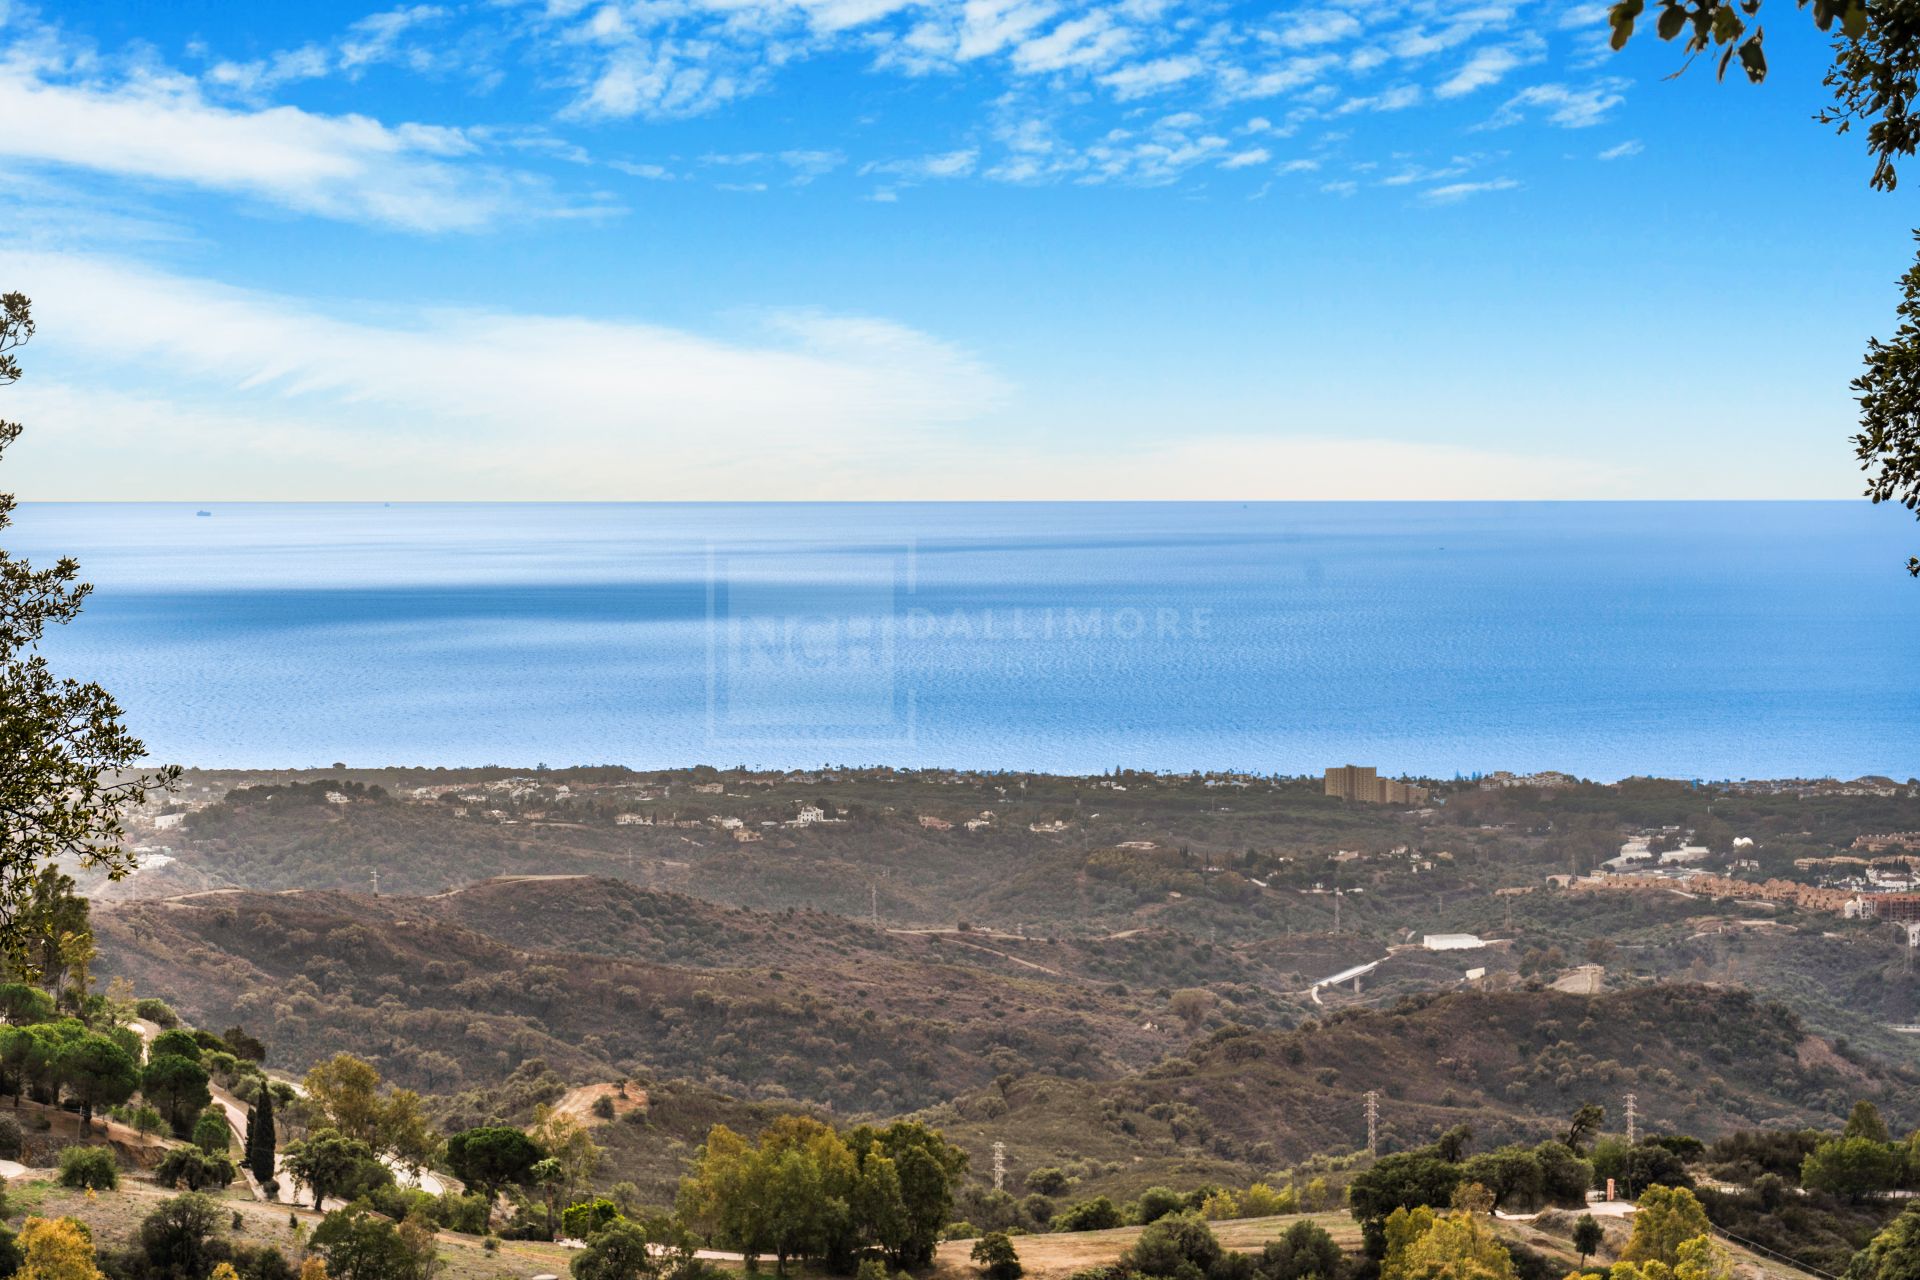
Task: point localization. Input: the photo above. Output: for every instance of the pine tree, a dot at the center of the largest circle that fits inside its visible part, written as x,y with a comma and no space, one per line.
261,1137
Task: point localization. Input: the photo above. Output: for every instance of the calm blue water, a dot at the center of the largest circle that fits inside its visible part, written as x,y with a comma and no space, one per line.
1694,640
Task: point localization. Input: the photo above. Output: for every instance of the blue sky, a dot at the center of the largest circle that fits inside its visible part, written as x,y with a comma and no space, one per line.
659,249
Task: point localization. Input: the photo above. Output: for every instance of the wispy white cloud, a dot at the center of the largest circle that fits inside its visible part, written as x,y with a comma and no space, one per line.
1316,27
158,127
375,39
1568,107
1620,151
1485,67
948,164
666,78
637,169
1142,78
236,379
1455,192
1092,39
1051,92
252,395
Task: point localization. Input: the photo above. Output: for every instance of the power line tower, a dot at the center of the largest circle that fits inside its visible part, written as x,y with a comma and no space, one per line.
1373,1122
1336,911
873,904
376,882
999,1166
1633,1125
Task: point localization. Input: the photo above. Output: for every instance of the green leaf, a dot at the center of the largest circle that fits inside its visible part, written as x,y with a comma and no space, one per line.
1620,18
1754,59
1672,19
1854,23
1727,26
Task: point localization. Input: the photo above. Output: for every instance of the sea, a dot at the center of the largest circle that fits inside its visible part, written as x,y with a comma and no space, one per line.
1704,641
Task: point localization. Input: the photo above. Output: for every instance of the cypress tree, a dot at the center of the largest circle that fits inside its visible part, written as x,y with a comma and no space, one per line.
261,1138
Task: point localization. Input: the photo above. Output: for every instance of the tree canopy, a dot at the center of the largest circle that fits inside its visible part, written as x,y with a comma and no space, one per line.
490,1158
620,1251
1894,1254
804,1191
97,1072
1667,1217
178,1087
68,765
1423,1245
329,1163
56,1249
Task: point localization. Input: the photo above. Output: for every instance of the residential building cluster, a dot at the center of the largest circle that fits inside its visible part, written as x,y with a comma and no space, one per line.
1885,840
1545,780
1788,892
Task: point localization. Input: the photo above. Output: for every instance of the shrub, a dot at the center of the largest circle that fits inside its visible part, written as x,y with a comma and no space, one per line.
466,1213
1262,1201
398,1202
587,1219
995,1255
182,1236
617,1253
194,1168
157,1011
263,1262
211,1132
145,1119
1180,1245
1156,1203
1305,1250
10,1138
871,1269
1220,1206
89,1168
1047,1181
1097,1214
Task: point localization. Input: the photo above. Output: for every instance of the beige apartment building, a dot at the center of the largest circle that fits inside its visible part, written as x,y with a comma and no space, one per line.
1363,783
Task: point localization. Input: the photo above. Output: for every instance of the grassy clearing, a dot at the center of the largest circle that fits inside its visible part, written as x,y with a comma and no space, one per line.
114,1216
1049,1257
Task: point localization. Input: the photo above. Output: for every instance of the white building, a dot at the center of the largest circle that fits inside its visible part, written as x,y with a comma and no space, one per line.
1453,942
1686,853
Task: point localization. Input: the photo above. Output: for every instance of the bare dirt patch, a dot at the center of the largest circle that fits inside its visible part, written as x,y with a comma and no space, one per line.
624,1097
